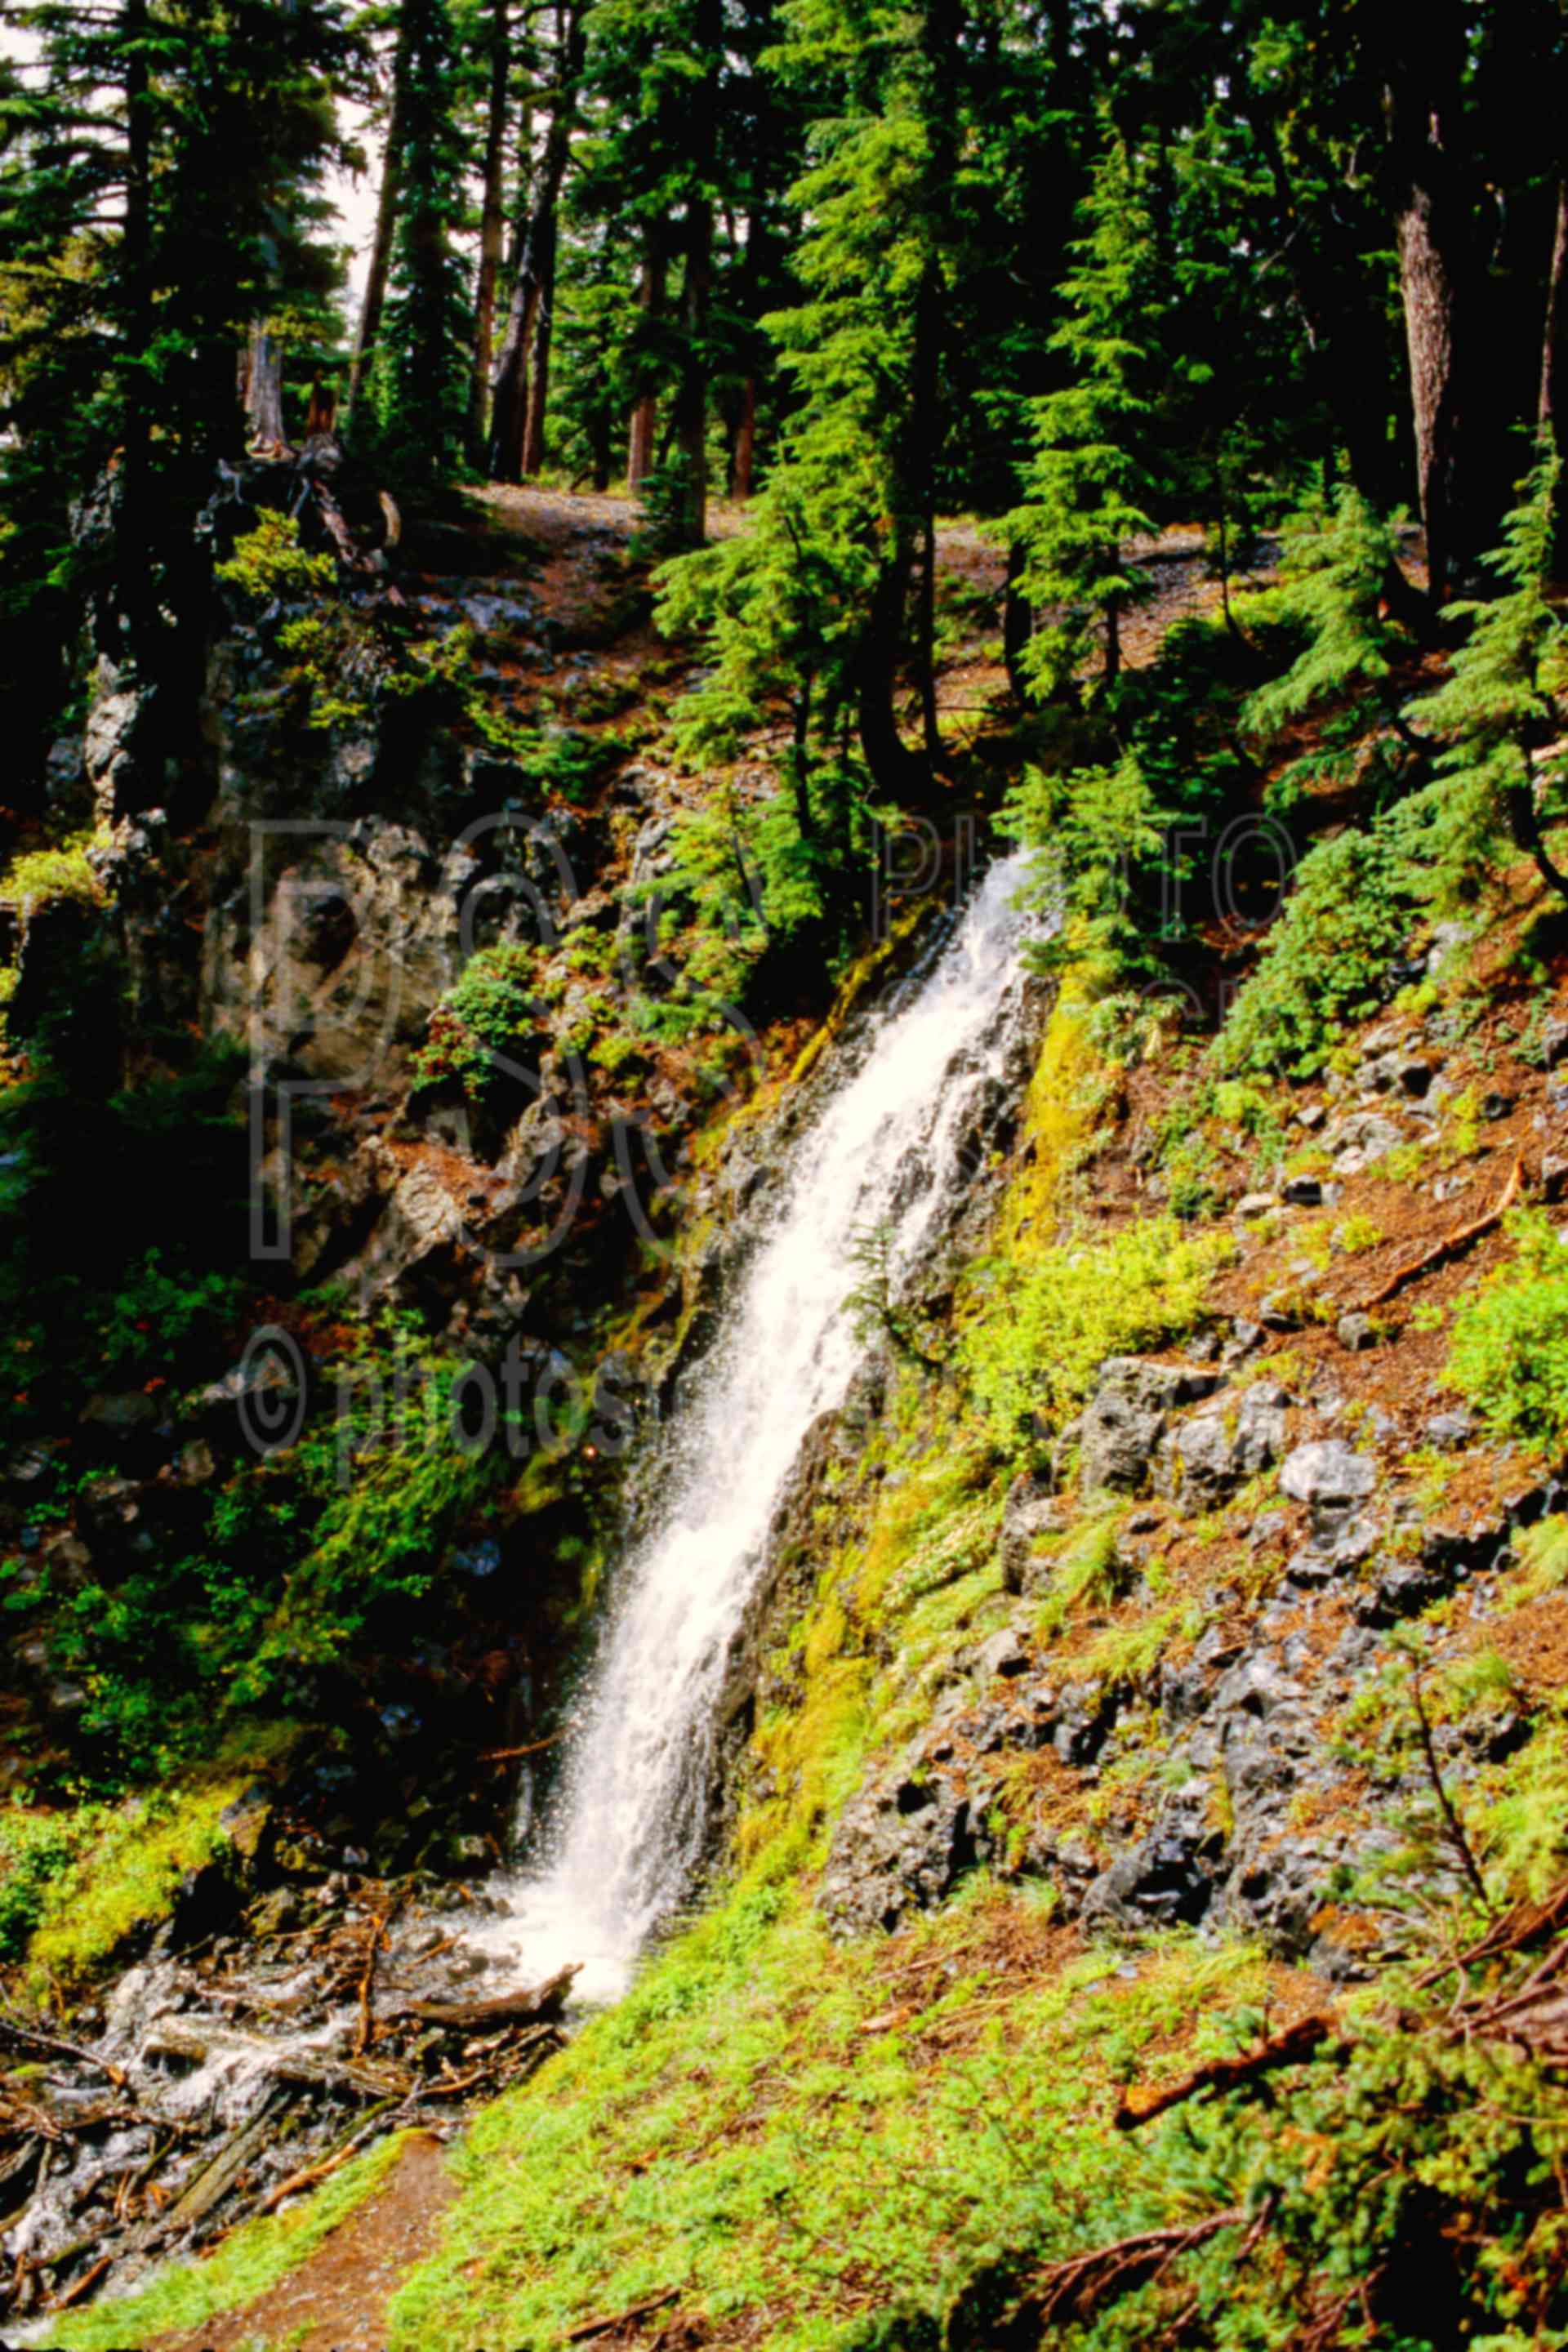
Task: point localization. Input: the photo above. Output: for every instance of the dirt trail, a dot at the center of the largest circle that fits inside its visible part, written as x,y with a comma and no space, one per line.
337,2299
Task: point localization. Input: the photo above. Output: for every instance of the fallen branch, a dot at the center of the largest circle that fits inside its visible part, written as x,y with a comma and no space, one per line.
603,2325
1290,2047
367,1985
1518,1928
1453,1828
529,1748
56,2048
1459,1239
1073,2289
79,2287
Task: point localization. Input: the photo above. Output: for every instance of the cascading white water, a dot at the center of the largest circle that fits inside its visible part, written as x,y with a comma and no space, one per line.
630,1813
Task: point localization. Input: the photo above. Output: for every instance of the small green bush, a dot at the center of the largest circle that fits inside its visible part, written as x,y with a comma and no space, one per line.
1327,961
40,875
488,1013
34,1849
1510,1352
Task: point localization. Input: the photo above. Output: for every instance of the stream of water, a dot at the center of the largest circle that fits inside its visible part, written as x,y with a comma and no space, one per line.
628,1822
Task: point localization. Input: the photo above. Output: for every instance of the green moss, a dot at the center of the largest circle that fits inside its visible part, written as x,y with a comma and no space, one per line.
1040,1332
244,2267
39,876
129,1860
787,2131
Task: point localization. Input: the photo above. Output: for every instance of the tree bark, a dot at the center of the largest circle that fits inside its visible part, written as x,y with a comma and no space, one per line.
645,414
690,420
1433,235
689,522
134,528
492,225
508,416
1554,343
897,773
742,463
380,269
539,375
264,389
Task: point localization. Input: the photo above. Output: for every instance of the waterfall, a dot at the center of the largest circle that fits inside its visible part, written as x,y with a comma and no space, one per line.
628,1818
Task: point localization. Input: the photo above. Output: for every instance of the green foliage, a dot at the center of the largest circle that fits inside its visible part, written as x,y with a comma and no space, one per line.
269,562
1498,702
330,659
1327,960
483,1019
35,1848
419,376
1094,829
39,876
122,1867
878,1312
1510,1352
1335,559
1041,1329
251,2259
169,1313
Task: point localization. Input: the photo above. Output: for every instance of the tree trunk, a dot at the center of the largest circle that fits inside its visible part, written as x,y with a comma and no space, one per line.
743,462
509,418
689,522
539,377
897,773
1554,343
380,269
136,607
689,421
264,390
645,414
492,225
1433,235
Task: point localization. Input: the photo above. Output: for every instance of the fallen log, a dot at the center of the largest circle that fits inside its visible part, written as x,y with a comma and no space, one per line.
216,2179
170,2037
1290,2047
367,1985
523,2008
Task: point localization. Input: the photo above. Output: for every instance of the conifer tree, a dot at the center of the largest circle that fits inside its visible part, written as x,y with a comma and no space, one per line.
1088,484
160,193
1499,710
422,376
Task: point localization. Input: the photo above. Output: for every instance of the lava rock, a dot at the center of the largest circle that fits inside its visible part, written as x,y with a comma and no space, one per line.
899,1847
1028,1513
1210,1454
1123,1422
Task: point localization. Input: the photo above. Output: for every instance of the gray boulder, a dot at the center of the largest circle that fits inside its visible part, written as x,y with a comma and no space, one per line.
1121,1426
1030,1511
1207,1456
1327,1471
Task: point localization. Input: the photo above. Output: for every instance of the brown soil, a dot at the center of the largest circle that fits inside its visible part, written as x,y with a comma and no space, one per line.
336,2301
